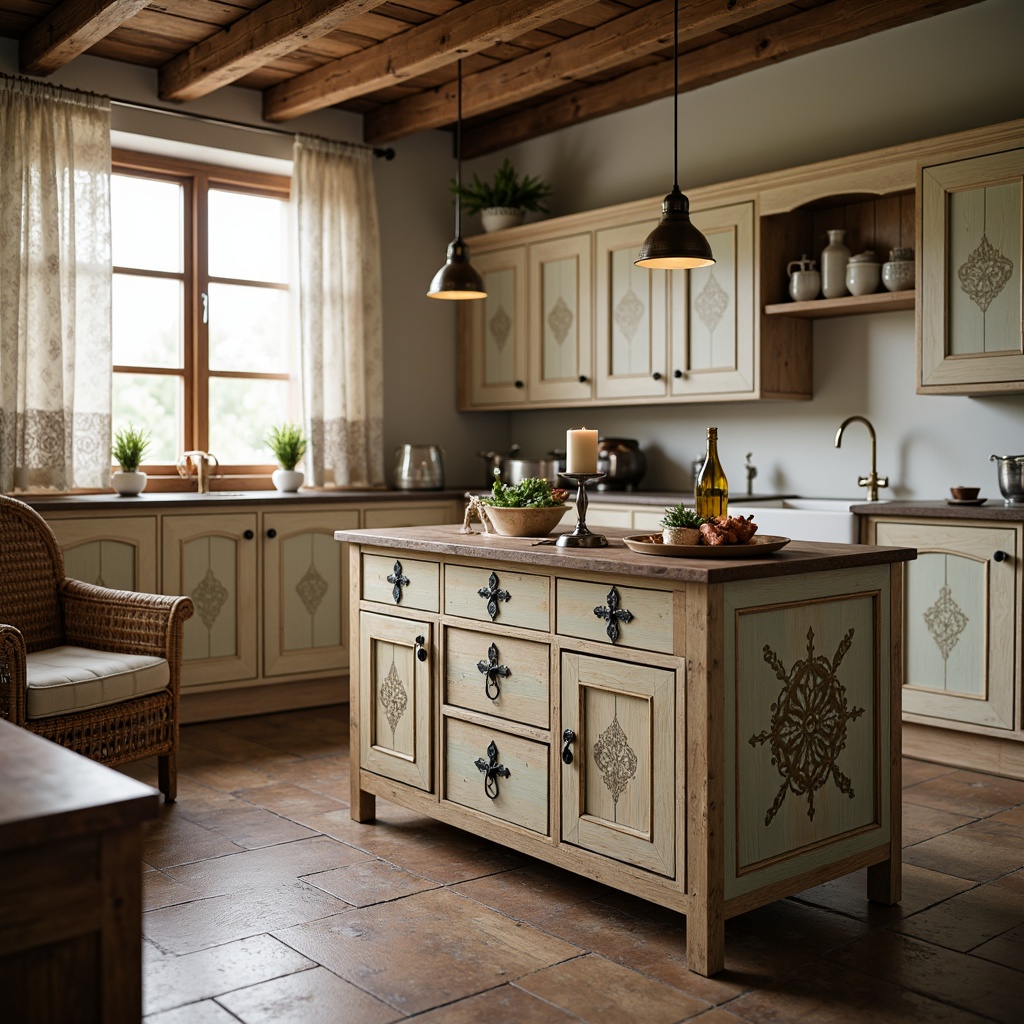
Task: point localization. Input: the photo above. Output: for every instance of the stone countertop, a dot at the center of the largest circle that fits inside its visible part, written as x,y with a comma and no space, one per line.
796,558
993,509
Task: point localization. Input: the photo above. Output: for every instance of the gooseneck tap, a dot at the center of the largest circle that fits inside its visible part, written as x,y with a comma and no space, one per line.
872,481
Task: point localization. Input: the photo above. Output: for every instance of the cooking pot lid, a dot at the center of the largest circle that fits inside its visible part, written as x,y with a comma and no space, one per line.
1007,458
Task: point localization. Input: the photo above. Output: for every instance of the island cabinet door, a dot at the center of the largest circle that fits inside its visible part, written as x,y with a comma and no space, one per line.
394,683
618,736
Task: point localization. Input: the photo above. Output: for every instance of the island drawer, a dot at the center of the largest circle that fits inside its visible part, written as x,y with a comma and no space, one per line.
623,616
498,675
497,595
514,770
406,582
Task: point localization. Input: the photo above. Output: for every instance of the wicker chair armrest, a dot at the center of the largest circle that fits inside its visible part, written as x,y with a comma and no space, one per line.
121,620
12,674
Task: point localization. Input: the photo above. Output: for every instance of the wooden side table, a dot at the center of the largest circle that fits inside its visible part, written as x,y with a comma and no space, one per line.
70,884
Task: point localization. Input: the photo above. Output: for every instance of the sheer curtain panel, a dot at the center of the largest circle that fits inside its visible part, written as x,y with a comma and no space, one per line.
339,312
55,283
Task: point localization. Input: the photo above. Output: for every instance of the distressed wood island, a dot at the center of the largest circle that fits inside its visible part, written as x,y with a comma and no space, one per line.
708,734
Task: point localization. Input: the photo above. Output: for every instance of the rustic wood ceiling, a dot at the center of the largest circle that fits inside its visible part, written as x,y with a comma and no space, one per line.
528,67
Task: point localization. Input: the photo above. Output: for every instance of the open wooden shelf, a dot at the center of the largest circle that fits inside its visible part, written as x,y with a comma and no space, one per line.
848,305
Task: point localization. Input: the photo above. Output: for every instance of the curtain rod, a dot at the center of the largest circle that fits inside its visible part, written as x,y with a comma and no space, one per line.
387,153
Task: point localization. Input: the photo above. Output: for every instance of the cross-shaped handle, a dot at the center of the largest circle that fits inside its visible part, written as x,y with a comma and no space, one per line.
398,580
492,672
613,614
492,770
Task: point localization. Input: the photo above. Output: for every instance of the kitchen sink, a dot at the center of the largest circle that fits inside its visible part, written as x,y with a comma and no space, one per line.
821,519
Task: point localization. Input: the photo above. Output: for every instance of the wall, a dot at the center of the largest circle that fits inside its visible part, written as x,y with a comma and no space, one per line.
955,71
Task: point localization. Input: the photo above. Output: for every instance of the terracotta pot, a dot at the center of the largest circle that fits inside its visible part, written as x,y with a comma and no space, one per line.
525,522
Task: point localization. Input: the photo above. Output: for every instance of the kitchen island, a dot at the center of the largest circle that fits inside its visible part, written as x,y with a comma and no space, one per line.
710,734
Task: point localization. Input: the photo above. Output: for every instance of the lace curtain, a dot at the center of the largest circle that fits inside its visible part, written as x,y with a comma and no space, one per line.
55,283
339,310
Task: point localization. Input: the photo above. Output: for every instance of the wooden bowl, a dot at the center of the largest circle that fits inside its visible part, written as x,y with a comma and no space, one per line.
525,522
965,493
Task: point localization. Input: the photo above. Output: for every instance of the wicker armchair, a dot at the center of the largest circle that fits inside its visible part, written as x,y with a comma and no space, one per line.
95,670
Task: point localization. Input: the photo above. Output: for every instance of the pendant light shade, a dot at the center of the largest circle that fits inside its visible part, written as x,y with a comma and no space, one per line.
675,244
457,279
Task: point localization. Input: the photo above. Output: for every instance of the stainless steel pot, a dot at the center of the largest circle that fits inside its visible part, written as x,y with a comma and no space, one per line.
515,471
419,467
1011,477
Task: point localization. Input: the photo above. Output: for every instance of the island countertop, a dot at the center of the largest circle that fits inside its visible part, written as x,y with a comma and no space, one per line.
795,558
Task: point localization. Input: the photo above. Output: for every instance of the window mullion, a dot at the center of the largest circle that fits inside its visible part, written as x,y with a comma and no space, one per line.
201,329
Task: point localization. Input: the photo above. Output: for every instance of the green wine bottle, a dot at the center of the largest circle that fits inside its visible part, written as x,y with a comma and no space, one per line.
711,489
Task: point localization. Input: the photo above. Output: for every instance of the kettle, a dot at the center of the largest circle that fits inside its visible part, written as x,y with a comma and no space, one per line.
419,467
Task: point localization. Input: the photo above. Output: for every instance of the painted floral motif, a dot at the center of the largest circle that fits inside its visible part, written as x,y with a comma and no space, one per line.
209,597
711,304
615,759
500,327
628,313
808,728
311,589
393,697
984,274
945,621
560,320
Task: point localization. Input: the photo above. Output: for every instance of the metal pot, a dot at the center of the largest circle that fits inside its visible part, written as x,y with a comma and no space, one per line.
515,471
1011,477
622,462
496,463
419,467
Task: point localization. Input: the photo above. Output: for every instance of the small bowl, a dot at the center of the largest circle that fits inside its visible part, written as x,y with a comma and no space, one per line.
965,493
525,522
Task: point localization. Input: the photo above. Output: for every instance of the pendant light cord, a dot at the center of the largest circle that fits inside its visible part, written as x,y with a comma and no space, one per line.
675,105
458,155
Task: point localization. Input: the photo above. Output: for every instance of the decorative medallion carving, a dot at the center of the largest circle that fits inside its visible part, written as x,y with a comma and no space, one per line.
560,320
712,303
808,727
398,580
613,614
945,621
209,597
311,589
615,759
983,275
493,593
500,327
628,313
493,672
393,697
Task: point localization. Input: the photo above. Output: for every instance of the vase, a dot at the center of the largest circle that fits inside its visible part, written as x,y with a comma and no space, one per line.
495,218
128,485
287,480
834,258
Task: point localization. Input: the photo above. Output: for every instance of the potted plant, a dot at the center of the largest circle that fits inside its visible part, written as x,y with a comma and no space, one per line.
129,449
531,508
681,525
288,443
504,202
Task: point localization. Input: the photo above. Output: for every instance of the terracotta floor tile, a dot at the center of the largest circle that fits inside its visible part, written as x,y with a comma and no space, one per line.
602,992
1006,949
368,882
182,980
186,927
968,919
227,776
206,1012
970,793
1014,816
505,1004
720,1016
426,950
297,803
324,774
160,890
968,982
209,739
981,851
309,997
921,823
251,827
1014,881
174,839
915,771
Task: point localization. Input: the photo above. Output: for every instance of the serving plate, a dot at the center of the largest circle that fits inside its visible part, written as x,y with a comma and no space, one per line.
757,547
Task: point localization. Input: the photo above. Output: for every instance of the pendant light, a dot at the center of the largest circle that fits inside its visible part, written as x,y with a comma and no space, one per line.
675,244
457,279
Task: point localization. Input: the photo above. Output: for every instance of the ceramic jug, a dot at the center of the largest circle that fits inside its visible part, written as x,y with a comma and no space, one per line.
834,258
804,281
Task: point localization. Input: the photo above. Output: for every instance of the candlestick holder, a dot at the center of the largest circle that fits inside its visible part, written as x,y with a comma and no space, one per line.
581,537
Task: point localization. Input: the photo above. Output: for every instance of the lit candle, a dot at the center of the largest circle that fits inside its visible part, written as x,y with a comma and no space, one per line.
581,451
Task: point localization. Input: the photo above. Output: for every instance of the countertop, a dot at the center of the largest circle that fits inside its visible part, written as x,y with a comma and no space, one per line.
993,508
796,558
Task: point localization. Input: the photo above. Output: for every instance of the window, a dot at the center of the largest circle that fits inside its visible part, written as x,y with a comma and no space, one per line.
204,355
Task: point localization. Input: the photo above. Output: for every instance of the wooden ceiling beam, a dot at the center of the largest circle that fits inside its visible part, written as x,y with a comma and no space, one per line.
473,27
638,33
70,29
269,32
815,29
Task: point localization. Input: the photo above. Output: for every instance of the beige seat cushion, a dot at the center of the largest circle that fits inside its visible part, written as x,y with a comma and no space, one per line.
64,679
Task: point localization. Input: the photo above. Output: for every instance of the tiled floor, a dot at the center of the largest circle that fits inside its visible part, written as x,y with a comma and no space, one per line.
265,902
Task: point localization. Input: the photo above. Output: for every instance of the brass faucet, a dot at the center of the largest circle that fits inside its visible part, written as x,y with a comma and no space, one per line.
202,463
872,481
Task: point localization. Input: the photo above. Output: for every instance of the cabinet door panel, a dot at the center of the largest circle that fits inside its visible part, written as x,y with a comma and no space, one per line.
119,553
619,792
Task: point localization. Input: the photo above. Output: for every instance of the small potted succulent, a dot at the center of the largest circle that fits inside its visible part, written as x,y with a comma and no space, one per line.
288,443
129,449
681,525
504,202
531,508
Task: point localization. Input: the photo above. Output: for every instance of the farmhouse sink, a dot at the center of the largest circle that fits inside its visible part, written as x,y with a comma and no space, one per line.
821,519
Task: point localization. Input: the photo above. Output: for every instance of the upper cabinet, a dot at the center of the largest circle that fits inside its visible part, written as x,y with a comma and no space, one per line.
971,297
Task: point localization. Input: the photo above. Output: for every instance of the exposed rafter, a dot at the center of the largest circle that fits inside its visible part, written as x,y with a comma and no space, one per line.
271,31
468,29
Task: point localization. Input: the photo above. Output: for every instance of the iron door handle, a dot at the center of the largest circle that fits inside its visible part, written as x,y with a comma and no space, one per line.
248,535
421,651
1000,556
567,737
271,533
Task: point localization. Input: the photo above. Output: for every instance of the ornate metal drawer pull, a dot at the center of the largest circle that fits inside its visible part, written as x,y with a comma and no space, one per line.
399,581
493,594
613,614
421,650
491,770
492,672
567,737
